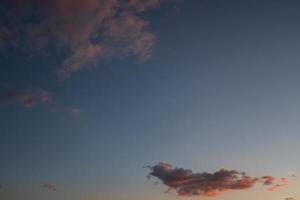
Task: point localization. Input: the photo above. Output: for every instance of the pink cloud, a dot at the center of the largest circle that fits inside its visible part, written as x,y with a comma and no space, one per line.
25,97
187,183
34,96
88,29
281,184
142,5
126,35
79,59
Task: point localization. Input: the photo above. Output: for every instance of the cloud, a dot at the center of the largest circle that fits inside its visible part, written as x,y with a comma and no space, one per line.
27,98
187,183
289,198
126,34
75,111
49,186
88,30
268,180
79,58
282,184
31,97
293,175
142,5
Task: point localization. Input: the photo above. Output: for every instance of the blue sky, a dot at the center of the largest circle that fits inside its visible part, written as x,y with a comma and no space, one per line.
203,85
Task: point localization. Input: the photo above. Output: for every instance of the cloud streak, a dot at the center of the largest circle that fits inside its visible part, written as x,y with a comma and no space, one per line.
187,183
49,186
29,98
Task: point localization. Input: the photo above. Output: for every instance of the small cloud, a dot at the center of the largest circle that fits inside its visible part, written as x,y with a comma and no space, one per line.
49,186
268,180
75,111
88,30
292,174
27,98
289,198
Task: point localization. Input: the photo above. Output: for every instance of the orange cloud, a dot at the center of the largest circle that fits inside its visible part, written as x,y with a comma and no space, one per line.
187,183
282,184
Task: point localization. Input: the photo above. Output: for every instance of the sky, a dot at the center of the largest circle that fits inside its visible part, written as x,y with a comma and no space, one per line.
149,99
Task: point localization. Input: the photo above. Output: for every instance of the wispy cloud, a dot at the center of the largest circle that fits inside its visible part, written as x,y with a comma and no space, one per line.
27,98
88,29
281,184
75,111
34,96
289,198
293,174
49,186
187,183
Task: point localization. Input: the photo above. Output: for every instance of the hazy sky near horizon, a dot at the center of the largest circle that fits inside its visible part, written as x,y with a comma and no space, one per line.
92,91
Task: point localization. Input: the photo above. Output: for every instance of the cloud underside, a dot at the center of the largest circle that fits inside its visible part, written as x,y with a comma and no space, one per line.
187,183
88,29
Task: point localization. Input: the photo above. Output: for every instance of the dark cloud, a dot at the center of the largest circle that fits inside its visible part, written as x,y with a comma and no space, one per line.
87,29
49,186
187,183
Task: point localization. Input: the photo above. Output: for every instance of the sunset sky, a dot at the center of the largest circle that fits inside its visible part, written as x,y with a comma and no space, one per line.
149,99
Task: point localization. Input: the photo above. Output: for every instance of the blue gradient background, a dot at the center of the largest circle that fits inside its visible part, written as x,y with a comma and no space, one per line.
221,90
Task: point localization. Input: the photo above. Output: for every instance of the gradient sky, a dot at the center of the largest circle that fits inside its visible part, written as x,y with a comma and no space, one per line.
215,85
